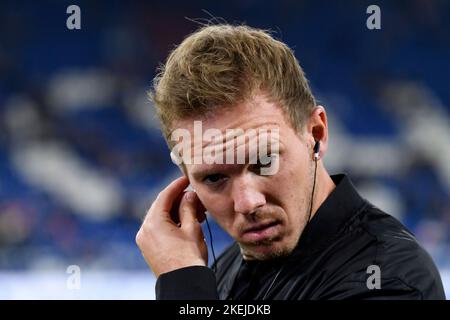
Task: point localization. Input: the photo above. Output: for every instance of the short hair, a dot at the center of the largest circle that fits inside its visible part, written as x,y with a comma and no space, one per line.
219,66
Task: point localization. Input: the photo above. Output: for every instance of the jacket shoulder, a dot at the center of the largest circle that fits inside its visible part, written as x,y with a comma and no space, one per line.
400,257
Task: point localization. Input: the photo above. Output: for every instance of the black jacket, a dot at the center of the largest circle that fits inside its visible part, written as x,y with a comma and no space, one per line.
347,244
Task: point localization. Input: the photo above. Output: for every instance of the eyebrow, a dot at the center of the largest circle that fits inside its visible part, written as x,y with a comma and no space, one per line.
214,168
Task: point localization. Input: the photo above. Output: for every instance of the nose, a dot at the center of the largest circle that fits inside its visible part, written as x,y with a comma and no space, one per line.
246,196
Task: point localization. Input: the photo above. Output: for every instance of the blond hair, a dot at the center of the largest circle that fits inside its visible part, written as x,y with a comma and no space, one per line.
219,66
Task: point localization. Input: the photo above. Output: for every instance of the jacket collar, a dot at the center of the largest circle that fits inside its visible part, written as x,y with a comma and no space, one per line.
335,212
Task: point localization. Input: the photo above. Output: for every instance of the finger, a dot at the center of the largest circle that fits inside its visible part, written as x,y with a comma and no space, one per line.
174,215
166,198
188,209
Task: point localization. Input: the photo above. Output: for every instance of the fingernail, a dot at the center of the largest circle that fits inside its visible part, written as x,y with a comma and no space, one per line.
189,196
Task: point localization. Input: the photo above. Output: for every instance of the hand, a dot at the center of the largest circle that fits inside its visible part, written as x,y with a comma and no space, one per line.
166,245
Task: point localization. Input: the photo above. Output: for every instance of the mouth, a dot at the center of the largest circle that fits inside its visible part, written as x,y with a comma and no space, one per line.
260,231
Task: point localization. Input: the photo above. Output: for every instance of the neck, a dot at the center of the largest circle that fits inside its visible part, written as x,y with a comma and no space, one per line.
324,186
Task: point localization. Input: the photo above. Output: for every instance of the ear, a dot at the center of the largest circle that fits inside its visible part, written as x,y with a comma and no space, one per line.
317,129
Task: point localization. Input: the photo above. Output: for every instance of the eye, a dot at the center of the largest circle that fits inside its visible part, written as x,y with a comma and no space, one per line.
215,178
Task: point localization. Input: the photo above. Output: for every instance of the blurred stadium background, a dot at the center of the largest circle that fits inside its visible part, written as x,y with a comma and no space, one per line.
82,158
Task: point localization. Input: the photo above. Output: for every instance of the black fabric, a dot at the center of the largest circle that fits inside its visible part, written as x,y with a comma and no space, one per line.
196,282
331,260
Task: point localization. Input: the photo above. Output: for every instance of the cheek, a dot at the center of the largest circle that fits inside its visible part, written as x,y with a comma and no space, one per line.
288,180
219,207
289,186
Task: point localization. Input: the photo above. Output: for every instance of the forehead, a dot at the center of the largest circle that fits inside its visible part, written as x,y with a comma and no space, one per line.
256,112
257,122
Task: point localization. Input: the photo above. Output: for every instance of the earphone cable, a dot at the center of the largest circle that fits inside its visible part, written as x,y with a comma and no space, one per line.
312,193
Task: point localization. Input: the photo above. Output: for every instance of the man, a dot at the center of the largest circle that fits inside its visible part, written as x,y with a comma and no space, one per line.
299,232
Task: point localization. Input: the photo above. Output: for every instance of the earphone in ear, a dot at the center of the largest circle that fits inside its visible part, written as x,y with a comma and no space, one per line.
316,150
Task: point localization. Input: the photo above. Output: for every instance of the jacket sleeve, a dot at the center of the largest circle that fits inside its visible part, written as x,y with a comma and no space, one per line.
190,283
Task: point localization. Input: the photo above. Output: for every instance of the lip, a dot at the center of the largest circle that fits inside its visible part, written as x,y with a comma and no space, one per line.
260,231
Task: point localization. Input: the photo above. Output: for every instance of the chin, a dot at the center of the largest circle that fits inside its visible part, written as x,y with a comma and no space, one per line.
264,251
